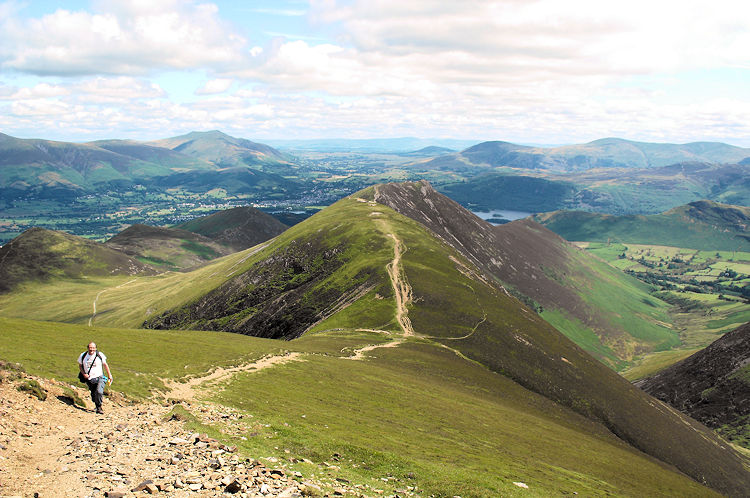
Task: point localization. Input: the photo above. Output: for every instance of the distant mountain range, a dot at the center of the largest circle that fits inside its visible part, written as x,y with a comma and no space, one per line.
371,145
610,190
201,161
603,153
225,151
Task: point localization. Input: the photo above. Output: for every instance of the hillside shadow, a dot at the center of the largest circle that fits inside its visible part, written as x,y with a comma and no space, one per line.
70,402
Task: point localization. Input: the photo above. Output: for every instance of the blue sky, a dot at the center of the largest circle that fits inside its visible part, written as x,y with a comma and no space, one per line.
531,71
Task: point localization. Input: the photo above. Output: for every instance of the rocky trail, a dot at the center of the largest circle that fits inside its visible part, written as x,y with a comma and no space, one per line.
53,448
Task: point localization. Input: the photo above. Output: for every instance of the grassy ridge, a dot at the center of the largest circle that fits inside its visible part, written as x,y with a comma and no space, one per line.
41,255
610,313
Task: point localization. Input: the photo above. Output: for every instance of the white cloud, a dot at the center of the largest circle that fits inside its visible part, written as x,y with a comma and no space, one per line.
127,38
521,70
39,91
218,85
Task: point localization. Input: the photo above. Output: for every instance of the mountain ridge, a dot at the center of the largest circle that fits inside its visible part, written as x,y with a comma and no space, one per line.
540,268
601,153
39,254
704,225
50,169
518,344
238,228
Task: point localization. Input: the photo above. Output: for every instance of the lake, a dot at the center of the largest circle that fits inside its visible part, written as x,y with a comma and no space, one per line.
501,213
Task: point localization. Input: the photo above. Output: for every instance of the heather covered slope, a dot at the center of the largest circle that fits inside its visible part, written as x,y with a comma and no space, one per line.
609,314
703,225
712,386
167,248
238,228
39,255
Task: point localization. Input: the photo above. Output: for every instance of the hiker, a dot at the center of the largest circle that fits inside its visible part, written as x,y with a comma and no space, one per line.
90,363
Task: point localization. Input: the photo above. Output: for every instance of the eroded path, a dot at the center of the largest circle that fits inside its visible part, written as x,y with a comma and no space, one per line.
401,288
188,391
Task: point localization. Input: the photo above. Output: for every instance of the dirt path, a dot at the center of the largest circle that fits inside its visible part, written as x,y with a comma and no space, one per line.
188,391
96,299
56,449
359,354
401,288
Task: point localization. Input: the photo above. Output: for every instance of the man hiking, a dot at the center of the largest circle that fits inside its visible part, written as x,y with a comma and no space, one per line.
90,363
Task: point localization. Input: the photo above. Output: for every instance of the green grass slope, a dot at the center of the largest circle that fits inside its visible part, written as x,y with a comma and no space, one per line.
359,266
166,248
238,228
39,255
455,306
417,415
703,225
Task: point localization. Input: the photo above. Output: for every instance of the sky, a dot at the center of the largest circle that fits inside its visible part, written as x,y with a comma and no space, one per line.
524,71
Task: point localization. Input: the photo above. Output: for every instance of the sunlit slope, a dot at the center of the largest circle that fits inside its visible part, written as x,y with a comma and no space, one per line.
417,413
307,274
166,248
40,255
117,301
608,313
140,359
703,225
427,417
276,289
